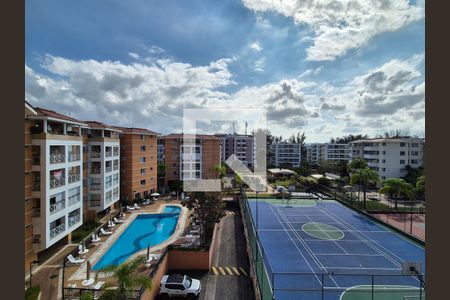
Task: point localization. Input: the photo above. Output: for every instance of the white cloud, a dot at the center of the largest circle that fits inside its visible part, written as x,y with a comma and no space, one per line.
259,65
134,55
256,46
339,26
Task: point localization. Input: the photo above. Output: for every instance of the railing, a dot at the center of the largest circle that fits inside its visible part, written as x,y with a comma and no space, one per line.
116,153
74,199
108,169
57,230
36,187
36,212
94,154
74,219
108,153
74,156
36,159
116,167
95,171
58,206
54,183
73,178
57,158
77,293
95,186
95,203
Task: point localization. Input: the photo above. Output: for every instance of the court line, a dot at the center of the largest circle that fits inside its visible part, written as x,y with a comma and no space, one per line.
301,253
349,254
310,252
328,236
364,268
344,230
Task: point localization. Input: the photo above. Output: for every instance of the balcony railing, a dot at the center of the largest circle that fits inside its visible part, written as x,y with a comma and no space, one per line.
74,220
57,230
116,167
36,187
95,171
36,159
74,178
74,156
108,153
95,203
115,182
36,212
57,158
95,154
116,153
108,169
58,206
74,199
54,183
95,186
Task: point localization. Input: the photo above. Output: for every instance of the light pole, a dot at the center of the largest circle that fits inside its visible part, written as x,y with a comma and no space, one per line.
31,266
257,211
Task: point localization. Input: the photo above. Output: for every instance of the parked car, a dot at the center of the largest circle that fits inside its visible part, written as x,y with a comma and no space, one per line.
177,285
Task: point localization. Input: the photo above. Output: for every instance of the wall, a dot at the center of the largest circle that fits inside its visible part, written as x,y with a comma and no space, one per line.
162,270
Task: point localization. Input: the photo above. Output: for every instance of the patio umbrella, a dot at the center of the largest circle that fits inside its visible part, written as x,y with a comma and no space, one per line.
88,270
148,251
155,194
83,246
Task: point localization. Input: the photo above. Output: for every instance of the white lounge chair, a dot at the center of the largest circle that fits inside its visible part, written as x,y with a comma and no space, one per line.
95,239
136,206
118,221
130,208
104,232
74,260
81,251
189,243
111,225
98,285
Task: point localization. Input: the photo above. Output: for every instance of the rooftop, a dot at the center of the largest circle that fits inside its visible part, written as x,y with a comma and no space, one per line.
100,125
135,130
46,113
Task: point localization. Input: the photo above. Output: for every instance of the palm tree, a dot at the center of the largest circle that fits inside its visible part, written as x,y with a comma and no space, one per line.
363,177
126,278
397,187
420,185
220,170
356,164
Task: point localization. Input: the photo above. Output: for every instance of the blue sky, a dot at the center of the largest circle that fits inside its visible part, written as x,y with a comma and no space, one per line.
328,68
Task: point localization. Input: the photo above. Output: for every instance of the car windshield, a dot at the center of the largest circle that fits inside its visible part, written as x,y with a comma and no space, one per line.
188,282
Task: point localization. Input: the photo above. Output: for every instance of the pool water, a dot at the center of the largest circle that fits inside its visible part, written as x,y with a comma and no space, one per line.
146,230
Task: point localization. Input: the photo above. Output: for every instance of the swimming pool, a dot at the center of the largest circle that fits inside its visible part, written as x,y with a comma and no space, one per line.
145,230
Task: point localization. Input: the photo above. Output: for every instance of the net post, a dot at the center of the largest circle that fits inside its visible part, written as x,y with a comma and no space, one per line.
321,285
372,287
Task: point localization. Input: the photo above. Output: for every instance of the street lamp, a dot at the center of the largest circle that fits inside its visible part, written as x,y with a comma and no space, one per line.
31,266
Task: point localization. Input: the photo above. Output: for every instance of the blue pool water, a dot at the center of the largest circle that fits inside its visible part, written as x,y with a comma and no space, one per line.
148,229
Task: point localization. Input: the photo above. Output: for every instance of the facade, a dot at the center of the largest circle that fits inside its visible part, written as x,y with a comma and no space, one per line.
390,156
55,176
315,153
103,165
138,163
192,160
319,152
240,145
286,154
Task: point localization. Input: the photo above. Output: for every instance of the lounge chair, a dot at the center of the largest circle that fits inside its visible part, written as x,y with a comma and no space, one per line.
74,260
98,285
118,221
195,231
189,243
95,239
81,251
130,207
136,206
104,232
111,225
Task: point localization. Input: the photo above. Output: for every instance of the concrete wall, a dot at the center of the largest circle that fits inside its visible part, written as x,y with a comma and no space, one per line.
162,270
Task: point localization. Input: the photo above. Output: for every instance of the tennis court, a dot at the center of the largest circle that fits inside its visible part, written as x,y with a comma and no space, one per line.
324,250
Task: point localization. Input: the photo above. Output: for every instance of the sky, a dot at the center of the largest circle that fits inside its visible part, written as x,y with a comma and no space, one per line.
324,67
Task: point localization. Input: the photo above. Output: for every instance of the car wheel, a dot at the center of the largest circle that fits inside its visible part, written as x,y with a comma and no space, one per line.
191,296
164,296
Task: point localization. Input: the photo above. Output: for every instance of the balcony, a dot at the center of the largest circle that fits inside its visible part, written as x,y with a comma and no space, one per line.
36,160
95,154
95,203
36,212
56,207
72,178
116,152
108,153
57,230
95,171
74,156
36,187
74,219
108,169
95,186
74,199
57,158
56,182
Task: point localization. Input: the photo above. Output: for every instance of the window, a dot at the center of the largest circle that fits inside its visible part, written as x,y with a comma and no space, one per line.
414,145
414,161
384,144
142,148
414,153
383,169
151,168
143,171
142,137
402,161
383,161
384,152
142,159
143,182
402,144
402,153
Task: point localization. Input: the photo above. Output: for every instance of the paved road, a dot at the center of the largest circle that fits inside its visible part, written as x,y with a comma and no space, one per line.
231,258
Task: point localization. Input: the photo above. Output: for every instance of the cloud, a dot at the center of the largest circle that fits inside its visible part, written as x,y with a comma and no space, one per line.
339,26
326,106
259,65
134,55
256,46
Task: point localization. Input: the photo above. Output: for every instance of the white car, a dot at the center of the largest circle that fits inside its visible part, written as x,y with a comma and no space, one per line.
178,285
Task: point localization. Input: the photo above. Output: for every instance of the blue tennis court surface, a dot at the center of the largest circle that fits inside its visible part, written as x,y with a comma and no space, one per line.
328,247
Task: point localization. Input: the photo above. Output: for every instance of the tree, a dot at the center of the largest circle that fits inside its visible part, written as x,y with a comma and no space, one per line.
420,185
363,178
412,174
161,170
220,170
304,169
349,138
395,188
355,164
208,209
176,185
126,278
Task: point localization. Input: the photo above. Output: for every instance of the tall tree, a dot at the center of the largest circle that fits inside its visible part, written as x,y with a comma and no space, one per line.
363,178
396,187
208,209
220,169
355,164
420,185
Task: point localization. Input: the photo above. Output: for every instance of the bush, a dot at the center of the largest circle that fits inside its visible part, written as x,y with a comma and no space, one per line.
32,293
83,231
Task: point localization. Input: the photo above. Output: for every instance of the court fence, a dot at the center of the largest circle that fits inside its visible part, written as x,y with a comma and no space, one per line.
301,285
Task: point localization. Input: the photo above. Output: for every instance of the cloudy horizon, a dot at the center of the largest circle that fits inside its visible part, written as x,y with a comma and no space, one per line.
326,68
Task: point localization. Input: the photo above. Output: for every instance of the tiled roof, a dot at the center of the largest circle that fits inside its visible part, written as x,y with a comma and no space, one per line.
100,125
136,130
54,114
197,136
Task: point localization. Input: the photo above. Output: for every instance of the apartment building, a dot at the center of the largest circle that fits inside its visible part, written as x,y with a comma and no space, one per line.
389,156
316,153
319,152
138,162
240,145
190,159
103,164
53,178
286,154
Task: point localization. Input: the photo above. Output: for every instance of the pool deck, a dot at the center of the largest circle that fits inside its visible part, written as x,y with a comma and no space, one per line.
75,274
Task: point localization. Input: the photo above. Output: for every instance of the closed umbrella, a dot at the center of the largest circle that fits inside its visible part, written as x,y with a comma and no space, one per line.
148,251
155,194
88,270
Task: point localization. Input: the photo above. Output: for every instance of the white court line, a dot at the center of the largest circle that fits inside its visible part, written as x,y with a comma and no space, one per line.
348,254
329,237
363,268
310,252
304,258
344,230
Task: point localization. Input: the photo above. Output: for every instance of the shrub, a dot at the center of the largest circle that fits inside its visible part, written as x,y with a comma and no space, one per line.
32,293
